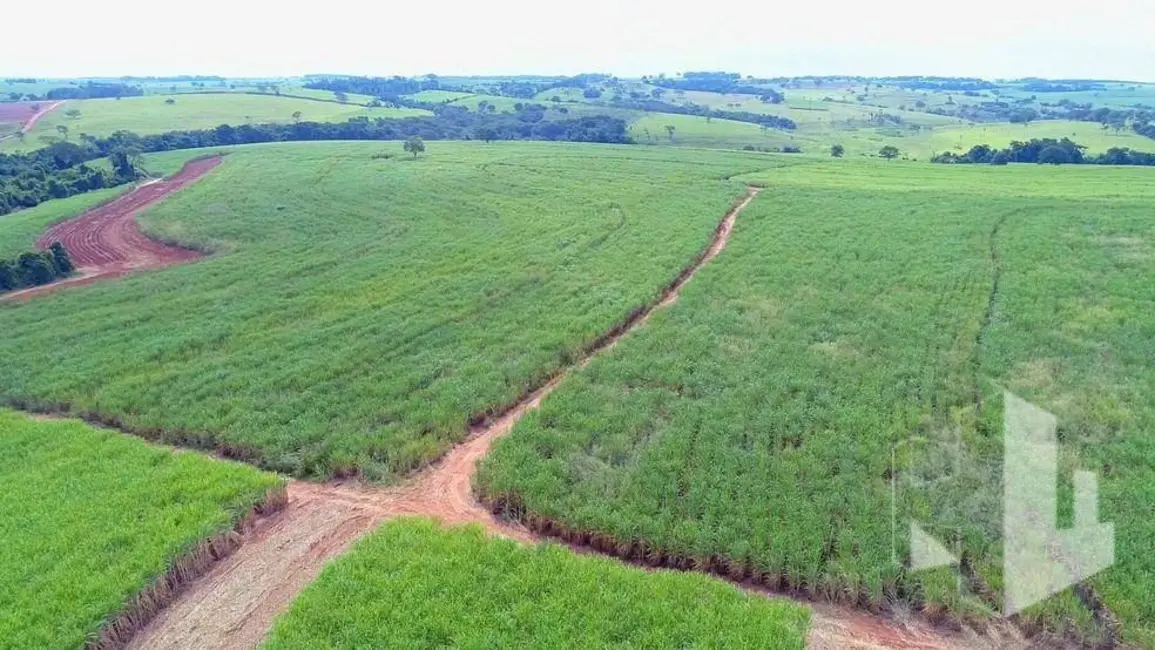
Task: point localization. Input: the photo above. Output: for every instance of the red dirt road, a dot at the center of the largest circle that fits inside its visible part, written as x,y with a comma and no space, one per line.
235,603
22,113
106,242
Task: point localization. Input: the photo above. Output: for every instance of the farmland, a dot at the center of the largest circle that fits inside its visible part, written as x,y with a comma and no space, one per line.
152,114
756,419
92,517
415,584
397,297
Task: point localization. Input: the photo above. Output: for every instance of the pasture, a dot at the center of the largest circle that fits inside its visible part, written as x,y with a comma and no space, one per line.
92,517
362,306
415,584
152,114
856,331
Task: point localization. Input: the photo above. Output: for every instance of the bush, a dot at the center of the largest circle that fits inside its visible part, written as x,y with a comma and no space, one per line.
35,268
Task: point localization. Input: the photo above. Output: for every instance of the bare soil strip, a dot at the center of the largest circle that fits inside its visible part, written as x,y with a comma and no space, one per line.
44,110
16,110
234,604
106,242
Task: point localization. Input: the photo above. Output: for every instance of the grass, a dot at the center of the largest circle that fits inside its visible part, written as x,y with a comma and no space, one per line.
360,309
92,517
414,584
439,96
846,322
150,114
695,131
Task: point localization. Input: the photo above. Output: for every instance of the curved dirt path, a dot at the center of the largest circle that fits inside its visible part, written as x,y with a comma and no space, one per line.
106,241
235,604
44,110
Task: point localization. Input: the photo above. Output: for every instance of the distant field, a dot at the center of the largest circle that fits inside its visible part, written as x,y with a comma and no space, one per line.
150,114
92,517
503,104
360,309
695,131
438,96
1089,134
415,584
845,322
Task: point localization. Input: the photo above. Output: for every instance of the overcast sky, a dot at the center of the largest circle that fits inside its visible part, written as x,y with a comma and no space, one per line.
987,38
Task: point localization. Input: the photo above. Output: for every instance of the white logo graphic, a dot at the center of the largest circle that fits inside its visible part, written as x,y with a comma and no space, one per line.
1039,560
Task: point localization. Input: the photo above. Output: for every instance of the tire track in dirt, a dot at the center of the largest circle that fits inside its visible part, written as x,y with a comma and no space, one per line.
106,242
235,603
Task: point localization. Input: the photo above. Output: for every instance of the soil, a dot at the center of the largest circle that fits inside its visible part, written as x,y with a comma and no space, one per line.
20,113
105,241
234,604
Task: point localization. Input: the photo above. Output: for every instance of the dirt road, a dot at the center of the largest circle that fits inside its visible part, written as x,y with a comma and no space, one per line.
106,241
235,604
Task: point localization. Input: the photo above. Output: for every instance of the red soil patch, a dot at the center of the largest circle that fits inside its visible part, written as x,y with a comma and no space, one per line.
23,113
106,242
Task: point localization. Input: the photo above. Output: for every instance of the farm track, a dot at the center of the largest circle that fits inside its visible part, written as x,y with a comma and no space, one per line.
31,122
106,242
235,603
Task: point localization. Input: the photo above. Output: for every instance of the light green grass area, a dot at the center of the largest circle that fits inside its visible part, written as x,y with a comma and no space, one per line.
414,584
439,96
696,131
92,517
1089,134
847,324
150,114
503,104
361,308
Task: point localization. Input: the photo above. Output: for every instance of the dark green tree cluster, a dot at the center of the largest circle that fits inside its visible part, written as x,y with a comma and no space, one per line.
33,269
656,106
1047,151
59,170
718,82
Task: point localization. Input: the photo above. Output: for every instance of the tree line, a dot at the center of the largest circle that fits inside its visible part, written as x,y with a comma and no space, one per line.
60,169
1048,151
716,82
35,268
657,106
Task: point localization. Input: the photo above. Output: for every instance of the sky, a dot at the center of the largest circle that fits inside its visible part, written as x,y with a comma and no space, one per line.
982,38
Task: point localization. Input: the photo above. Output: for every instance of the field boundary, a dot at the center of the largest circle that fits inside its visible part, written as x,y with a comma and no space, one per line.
141,608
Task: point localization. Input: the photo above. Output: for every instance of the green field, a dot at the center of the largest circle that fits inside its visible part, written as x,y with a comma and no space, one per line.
848,321
439,96
360,309
150,114
92,517
414,584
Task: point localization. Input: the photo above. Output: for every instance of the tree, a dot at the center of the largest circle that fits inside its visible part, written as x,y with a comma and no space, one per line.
889,152
296,116
591,93
670,128
1054,155
63,129
1025,116
61,259
341,97
73,113
837,150
414,145
486,134
170,101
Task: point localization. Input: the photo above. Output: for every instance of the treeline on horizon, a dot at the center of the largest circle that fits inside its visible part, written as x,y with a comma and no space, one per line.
1047,151
59,170
393,90
87,90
